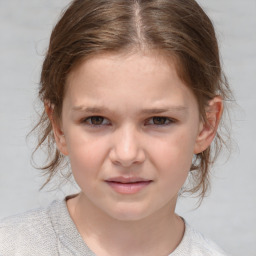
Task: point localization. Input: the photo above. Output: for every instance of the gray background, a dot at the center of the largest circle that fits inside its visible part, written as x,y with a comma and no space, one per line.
228,214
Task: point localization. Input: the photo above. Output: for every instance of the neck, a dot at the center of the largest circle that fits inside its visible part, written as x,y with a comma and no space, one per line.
157,234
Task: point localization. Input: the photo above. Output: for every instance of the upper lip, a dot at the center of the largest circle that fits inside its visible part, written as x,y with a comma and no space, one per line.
122,179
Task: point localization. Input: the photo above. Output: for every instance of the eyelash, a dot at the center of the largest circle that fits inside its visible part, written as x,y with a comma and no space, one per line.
88,121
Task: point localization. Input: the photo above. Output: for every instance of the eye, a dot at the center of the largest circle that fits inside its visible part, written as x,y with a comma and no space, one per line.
96,121
159,120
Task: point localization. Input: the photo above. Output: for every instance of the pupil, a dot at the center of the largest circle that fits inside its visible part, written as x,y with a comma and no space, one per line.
97,120
159,120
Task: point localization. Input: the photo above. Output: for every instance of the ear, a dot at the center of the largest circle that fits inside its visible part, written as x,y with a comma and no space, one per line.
208,129
57,129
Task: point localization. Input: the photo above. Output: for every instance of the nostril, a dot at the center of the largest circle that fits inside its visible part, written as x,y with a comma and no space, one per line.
126,148
127,160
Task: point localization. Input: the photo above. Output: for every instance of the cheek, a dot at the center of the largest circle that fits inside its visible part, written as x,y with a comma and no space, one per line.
86,155
172,160
174,153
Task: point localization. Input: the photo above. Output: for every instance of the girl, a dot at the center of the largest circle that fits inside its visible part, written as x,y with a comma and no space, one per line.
133,94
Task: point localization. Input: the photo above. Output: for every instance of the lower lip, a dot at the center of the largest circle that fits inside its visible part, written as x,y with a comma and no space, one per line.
128,188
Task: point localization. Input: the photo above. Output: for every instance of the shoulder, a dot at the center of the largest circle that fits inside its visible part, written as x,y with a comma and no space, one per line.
195,244
28,233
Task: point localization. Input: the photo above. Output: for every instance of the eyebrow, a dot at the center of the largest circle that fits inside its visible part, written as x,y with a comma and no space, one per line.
162,110
91,110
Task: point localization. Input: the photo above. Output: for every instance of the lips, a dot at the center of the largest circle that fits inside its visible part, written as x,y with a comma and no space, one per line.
122,179
128,185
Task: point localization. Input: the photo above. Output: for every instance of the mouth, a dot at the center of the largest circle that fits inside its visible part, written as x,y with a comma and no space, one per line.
128,185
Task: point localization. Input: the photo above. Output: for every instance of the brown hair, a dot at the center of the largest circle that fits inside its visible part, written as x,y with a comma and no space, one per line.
176,28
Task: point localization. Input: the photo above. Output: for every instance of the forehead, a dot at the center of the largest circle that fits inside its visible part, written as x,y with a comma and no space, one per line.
117,66
135,78
111,61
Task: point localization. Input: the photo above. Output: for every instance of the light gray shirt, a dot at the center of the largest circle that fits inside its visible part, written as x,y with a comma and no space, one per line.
51,231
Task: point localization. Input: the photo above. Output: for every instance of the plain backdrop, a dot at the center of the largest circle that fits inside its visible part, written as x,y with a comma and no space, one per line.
227,215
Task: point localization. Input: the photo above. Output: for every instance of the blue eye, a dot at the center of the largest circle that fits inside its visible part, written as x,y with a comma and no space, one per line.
159,120
96,120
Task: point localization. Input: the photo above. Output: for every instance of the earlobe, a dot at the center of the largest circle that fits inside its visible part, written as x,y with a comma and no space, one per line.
208,129
57,130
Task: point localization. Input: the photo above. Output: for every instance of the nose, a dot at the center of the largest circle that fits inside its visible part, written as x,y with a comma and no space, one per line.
126,149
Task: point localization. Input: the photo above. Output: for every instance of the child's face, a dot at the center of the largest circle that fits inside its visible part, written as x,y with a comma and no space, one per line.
131,128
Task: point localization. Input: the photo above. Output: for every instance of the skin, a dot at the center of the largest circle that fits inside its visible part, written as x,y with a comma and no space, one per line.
124,94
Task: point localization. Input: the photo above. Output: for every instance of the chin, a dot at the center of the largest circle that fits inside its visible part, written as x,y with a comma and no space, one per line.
128,213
